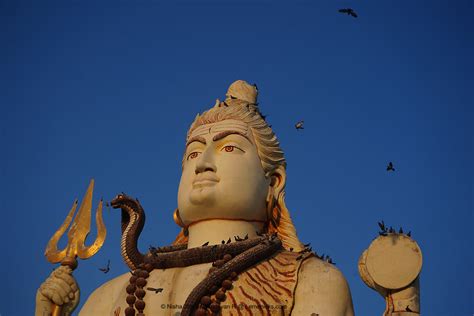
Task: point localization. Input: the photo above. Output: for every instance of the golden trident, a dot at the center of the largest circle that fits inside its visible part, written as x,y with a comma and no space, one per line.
77,235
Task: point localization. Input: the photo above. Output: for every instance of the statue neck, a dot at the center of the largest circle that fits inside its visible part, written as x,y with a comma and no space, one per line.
215,231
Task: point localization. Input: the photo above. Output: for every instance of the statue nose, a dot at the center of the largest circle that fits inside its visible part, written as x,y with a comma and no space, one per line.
207,166
205,162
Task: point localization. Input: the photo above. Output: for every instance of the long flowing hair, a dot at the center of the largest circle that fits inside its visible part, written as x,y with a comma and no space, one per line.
271,158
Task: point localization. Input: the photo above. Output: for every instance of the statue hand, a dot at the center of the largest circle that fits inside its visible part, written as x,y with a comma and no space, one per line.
60,288
407,298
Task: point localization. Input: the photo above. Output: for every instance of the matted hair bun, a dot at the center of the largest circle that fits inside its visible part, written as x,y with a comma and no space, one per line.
242,90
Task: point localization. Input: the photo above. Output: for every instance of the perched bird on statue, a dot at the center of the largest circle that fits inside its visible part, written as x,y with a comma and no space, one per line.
158,290
409,234
153,250
205,244
348,11
299,125
390,167
383,229
382,226
107,268
400,231
228,241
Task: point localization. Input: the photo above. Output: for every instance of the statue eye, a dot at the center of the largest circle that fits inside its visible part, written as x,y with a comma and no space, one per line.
193,155
229,148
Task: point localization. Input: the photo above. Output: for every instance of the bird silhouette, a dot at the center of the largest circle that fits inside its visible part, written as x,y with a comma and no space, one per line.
152,250
205,244
390,167
382,226
107,268
158,290
348,11
299,125
383,229
228,241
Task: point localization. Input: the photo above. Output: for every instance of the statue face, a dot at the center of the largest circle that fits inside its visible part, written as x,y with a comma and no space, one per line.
222,175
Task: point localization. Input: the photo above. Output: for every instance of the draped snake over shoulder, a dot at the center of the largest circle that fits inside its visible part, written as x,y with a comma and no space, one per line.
245,253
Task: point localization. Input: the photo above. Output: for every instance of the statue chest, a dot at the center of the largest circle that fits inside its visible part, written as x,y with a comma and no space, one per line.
177,284
265,289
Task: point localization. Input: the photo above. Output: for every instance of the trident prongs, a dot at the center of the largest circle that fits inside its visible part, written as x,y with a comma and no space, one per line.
77,234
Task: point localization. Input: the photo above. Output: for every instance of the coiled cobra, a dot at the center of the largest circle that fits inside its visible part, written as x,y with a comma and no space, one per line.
245,253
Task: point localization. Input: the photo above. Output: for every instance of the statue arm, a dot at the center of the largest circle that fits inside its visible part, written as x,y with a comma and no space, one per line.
321,289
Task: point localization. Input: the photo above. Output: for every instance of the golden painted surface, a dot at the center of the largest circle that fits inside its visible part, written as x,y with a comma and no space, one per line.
77,233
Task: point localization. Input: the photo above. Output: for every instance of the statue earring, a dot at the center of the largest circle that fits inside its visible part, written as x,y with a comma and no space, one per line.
177,219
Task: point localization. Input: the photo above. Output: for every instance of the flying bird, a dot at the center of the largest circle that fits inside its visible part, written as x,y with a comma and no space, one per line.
348,11
158,290
107,268
299,125
390,167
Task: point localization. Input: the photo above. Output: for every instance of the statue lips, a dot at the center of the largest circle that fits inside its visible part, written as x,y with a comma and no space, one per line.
205,179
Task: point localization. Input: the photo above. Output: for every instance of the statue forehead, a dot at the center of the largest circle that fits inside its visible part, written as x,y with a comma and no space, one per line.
226,125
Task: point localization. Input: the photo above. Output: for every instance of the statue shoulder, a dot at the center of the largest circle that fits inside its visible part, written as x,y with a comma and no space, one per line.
101,301
322,289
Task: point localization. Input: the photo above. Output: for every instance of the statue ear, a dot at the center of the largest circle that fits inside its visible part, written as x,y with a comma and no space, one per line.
277,182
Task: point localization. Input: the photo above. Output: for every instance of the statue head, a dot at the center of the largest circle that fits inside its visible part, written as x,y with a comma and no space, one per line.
233,168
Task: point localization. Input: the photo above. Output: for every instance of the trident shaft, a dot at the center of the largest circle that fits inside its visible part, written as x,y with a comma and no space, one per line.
77,235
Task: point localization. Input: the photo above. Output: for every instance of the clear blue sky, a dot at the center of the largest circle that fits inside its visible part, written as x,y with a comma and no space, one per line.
108,89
